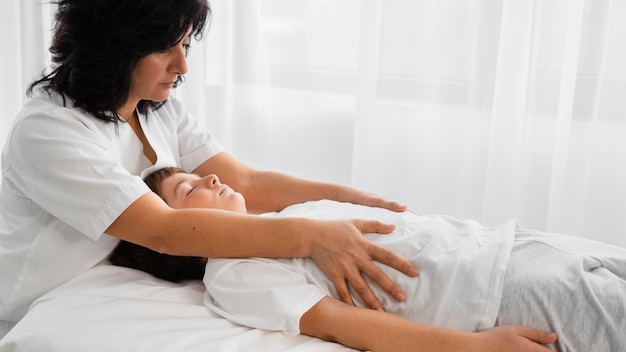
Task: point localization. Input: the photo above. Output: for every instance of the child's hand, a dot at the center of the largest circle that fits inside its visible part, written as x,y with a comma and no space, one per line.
514,339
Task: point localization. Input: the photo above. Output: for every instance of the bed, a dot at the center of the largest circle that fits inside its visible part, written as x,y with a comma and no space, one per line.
110,308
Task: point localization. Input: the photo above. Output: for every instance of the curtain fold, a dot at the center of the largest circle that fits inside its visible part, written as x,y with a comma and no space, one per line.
25,36
489,109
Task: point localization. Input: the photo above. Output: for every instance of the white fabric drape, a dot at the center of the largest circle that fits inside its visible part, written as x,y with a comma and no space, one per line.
25,36
483,109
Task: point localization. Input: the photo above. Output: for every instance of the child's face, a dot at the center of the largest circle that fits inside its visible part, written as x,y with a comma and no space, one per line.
182,190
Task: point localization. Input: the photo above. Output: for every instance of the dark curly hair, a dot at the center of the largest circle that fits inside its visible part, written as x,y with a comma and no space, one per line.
97,44
164,266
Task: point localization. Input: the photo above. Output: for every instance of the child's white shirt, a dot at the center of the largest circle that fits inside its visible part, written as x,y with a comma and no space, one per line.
462,266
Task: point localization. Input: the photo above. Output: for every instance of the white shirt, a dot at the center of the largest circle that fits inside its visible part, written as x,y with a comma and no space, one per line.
462,266
66,176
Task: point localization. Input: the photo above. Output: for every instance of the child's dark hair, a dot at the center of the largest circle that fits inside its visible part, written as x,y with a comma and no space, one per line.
163,266
97,44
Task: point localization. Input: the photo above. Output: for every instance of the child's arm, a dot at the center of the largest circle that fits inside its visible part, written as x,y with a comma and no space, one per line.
367,329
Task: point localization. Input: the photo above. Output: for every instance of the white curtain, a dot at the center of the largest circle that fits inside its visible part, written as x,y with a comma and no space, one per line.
25,35
483,109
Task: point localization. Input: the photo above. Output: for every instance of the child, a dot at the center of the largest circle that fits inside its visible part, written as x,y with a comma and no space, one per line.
472,278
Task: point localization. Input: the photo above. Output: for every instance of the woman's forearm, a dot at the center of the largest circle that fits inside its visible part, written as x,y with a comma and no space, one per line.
274,191
281,190
212,233
267,191
223,234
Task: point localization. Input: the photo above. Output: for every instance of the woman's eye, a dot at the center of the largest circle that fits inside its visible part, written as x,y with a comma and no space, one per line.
187,47
191,190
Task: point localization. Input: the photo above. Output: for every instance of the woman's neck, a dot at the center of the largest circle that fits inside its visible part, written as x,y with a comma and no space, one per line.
128,111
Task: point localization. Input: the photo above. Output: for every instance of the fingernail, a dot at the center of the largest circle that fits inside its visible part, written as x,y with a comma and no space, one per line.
401,297
413,272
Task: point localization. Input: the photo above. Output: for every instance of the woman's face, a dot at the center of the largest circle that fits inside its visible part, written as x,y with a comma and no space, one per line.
154,75
183,190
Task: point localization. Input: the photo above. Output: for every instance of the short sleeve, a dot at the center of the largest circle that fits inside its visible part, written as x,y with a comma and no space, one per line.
62,162
263,294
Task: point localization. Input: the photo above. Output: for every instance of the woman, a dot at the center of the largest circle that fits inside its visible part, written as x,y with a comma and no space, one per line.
101,119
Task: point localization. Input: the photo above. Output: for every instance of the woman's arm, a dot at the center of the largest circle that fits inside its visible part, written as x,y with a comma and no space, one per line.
338,247
366,329
267,191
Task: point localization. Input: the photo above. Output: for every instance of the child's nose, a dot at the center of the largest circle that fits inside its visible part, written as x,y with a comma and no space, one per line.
212,180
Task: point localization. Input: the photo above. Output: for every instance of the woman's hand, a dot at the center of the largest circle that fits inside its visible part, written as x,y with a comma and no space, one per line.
344,255
374,200
513,338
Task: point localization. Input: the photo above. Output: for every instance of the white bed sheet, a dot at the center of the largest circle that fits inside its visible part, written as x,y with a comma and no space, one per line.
110,308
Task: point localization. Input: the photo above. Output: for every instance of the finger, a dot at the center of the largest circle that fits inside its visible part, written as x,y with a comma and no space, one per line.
539,336
375,201
384,281
363,290
343,291
373,226
394,206
392,259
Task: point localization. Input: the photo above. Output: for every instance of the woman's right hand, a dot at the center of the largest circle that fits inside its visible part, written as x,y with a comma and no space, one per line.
345,255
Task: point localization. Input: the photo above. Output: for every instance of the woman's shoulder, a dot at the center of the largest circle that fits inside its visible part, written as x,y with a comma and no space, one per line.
45,101
50,105
49,116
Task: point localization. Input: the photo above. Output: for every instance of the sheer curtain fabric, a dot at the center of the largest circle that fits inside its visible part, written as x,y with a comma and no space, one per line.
484,109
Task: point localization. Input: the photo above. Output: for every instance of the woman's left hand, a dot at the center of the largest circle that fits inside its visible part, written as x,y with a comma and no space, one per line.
345,256
374,200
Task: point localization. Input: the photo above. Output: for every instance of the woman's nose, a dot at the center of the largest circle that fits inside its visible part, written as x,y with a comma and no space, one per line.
179,63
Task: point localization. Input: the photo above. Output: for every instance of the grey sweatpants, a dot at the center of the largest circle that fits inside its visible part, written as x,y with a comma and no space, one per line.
569,285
